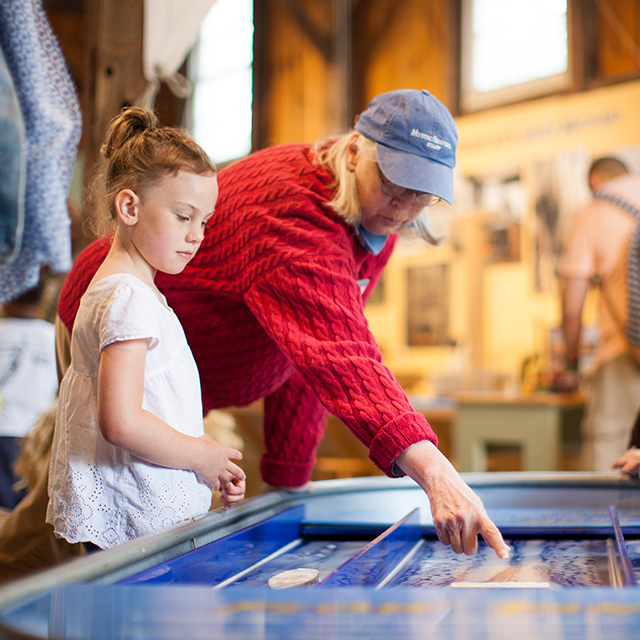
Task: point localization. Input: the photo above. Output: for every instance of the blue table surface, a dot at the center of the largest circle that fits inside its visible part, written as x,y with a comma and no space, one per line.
178,598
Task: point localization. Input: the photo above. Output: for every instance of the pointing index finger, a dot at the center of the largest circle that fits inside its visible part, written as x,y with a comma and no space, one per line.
493,538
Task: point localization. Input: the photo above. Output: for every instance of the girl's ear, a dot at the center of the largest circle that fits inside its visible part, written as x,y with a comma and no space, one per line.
127,205
353,152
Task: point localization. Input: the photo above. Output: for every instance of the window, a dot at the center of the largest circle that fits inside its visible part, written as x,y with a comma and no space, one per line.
512,50
220,69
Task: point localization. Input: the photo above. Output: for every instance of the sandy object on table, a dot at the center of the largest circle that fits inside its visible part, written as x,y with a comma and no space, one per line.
294,578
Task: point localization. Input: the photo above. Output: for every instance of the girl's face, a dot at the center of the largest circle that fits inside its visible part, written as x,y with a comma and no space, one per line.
380,214
172,216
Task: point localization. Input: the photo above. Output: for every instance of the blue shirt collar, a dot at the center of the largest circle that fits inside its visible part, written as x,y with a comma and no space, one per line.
370,241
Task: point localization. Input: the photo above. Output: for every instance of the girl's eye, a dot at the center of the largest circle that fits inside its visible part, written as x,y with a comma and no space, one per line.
182,218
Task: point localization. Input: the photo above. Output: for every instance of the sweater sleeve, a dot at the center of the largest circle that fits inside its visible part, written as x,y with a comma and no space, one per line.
313,310
290,452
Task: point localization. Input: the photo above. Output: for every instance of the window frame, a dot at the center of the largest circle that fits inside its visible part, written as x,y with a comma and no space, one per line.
472,100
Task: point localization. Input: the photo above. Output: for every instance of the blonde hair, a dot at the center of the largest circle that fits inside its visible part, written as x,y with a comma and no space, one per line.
138,152
332,156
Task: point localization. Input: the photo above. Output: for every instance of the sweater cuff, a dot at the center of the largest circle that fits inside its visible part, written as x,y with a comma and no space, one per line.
395,437
285,474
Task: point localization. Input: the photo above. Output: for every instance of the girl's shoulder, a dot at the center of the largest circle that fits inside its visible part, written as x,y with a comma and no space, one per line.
107,290
119,281
121,306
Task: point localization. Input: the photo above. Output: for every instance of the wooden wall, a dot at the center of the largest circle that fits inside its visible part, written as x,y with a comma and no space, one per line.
405,43
395,44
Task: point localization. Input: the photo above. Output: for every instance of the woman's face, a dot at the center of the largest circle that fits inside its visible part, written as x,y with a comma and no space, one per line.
380,214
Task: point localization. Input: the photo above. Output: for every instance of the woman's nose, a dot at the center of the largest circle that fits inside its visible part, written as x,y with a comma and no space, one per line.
405,200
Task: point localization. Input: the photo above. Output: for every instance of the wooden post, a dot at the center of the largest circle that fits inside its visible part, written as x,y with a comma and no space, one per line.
114,75
340,106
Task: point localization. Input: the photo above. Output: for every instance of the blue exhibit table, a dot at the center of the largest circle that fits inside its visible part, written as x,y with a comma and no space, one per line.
380,570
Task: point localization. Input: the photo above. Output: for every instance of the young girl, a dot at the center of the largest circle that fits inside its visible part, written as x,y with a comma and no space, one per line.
130,455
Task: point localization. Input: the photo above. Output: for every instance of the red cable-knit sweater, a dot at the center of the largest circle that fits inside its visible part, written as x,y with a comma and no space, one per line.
271,308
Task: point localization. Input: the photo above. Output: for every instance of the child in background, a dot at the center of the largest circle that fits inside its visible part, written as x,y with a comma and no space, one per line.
28,380
130,455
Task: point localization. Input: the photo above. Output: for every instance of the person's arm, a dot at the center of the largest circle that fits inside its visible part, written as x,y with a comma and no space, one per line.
458,513
574,293
315,314
125,424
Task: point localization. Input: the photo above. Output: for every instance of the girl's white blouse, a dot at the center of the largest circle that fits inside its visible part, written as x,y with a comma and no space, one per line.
98,492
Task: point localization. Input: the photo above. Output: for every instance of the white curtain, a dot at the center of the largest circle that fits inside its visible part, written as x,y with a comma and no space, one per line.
171,28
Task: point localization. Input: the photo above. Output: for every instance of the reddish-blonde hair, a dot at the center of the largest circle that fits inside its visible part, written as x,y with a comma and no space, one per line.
138,152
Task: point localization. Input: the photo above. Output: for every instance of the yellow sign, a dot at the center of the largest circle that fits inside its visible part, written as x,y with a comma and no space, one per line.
599,120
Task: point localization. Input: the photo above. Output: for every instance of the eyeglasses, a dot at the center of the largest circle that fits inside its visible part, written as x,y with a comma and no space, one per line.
393,190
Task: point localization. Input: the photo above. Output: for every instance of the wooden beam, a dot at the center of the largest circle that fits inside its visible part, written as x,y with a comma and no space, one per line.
582,20
385,11
114,76
366,35
260,75
322,41
341,116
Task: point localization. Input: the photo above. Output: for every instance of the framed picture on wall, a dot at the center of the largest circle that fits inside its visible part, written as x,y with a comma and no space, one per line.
502,241
428,306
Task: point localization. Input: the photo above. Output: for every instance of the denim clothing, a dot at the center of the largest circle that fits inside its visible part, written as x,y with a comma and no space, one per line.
9,452
13,167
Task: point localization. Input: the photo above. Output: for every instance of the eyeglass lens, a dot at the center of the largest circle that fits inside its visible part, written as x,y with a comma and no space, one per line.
395,191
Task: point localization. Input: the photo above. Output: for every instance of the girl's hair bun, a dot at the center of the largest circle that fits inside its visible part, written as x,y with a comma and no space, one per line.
131,122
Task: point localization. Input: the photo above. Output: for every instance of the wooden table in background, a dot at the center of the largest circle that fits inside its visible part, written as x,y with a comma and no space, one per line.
539,424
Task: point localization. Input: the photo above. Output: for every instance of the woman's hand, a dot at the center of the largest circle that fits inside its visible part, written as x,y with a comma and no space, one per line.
629,462
458,514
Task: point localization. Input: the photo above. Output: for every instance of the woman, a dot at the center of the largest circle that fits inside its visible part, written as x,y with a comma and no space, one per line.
272,305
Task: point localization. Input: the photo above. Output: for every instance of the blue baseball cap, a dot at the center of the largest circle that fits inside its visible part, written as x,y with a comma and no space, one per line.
416,140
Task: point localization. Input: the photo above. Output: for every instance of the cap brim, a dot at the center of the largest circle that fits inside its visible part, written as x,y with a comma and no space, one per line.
415,172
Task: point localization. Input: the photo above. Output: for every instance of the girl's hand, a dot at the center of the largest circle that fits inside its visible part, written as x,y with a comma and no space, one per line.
232,492
216,468
629,462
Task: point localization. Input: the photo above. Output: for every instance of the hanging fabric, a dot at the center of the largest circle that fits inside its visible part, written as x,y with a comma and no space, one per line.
13,168
52,122
171,28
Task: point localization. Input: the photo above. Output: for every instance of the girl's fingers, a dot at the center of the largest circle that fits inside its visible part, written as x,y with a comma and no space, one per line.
234,454
235,487
236,471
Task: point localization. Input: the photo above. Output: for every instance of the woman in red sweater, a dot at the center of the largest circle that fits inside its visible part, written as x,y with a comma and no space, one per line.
272,305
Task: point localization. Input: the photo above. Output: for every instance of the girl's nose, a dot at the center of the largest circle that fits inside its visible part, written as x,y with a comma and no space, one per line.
196,235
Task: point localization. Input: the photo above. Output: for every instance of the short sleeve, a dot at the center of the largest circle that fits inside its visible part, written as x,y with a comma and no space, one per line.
130,314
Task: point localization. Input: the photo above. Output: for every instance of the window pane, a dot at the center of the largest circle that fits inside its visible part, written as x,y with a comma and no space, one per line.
222,78
226,38
516,41
222,115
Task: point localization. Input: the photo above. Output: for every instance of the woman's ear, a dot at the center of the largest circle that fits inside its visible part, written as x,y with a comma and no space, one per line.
353,152
127,204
